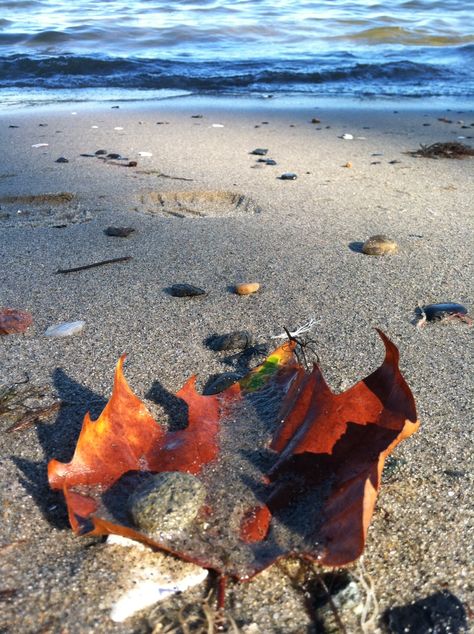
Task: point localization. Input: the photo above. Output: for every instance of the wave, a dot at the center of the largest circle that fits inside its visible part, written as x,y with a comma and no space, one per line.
324,74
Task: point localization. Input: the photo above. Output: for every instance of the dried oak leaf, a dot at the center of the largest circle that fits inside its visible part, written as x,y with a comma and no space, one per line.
14,321
288,467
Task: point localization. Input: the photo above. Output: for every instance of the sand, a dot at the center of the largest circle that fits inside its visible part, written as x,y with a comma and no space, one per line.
207,213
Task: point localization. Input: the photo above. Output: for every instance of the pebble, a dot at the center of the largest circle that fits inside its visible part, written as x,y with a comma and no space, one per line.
113,155
100,152
66,329
119,232
379,245
186,290
239,339
270,162
348,164
247,288
62,159
13,126
315,120
347,137
222,382
14,321
288,176
260,151
167,502
132,164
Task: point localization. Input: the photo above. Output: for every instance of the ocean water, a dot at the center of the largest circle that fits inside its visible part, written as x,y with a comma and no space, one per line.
358,48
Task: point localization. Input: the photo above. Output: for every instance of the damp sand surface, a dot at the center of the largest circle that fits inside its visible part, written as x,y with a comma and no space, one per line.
206,212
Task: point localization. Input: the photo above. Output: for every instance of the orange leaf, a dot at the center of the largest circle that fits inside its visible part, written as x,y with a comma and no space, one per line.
286,466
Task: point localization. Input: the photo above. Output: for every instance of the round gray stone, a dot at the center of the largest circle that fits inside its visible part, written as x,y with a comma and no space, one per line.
167,502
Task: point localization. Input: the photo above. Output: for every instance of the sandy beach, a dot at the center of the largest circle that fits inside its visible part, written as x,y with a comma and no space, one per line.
206,212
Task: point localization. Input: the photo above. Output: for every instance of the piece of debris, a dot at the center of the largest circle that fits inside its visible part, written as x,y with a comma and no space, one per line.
35,416
125,258
450,149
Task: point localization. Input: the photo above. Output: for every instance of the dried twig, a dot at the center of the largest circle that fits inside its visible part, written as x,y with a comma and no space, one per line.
125,258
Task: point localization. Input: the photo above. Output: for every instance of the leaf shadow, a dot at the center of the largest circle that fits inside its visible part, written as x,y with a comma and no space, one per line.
57,440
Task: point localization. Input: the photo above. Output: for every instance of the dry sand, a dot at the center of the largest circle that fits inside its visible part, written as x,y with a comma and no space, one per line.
241,223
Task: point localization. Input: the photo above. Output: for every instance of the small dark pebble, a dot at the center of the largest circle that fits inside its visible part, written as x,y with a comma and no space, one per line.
454,473
185,290
100,152
43,125
260,151
393,162
62,159
270,162
288,176
240,339
376,162
132,164
113,155
115,107
427,124
119,232
438,312
221,383
13,126
87,155
196,116
264,122
314,120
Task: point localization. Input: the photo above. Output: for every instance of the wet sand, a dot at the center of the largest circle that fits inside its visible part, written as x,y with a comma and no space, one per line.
206,212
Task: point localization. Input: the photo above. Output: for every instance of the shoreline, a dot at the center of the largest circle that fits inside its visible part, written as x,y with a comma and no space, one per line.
294,237
97,98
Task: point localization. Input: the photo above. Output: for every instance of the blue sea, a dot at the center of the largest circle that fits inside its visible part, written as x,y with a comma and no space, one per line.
149,49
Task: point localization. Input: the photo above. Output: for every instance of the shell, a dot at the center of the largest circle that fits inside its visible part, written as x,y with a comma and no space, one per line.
379,245
66,329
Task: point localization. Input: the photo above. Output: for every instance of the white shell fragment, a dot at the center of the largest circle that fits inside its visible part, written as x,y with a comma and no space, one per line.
347,137
217,125
151,580
118,127
145,154
66,329
40,145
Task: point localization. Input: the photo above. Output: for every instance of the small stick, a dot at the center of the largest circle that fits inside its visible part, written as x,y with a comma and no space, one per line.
125,258
332,605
